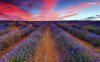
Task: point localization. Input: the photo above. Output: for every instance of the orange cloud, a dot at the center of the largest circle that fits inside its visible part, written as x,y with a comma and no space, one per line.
69,15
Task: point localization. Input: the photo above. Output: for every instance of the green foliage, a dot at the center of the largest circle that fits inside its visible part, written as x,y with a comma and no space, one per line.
90,28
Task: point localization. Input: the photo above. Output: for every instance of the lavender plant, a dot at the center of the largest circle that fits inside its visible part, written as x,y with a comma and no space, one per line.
70,49
24,52
83,34
13,36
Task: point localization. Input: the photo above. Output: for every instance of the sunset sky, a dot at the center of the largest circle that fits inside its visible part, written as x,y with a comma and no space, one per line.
41,10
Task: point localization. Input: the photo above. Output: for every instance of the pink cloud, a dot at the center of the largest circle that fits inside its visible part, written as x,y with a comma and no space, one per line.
80,7
14,12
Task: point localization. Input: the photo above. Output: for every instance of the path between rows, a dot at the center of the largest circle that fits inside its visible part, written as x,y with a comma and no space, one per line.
46,50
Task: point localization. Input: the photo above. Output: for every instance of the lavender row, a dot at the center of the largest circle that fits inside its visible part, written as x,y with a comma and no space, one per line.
83,34
2,31
70,49
13,36
6,29
89,27
24,52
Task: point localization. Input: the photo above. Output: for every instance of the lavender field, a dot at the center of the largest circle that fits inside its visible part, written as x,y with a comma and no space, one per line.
63,41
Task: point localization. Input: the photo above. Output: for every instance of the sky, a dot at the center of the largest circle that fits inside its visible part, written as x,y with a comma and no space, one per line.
46,10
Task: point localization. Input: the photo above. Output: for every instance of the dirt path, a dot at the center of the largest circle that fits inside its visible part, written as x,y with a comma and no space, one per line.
46,51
